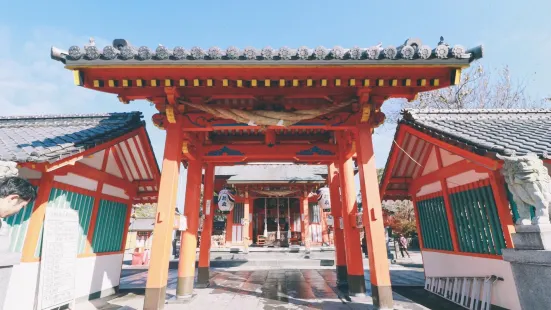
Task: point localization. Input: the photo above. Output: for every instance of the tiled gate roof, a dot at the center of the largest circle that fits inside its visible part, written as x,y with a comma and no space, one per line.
52,137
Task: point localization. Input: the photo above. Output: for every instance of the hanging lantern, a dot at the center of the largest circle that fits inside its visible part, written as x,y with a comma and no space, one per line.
225,200
359,220
324,199
329,220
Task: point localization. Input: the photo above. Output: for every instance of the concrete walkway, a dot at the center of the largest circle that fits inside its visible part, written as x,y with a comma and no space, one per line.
258,284
259,289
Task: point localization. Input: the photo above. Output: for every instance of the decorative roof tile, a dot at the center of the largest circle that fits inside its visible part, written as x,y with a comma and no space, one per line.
412,50
501,131
50,138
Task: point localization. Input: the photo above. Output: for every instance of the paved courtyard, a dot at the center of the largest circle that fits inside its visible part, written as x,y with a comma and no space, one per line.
268,288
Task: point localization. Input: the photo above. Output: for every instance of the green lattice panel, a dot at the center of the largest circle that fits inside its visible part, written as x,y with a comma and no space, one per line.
477,221
64,199
109,230
434,224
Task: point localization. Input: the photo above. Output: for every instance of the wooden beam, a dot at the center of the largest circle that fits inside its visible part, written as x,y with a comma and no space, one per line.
451,170
74,158
147,194
392,160
289,152
400,181
145,183
94,174
487,162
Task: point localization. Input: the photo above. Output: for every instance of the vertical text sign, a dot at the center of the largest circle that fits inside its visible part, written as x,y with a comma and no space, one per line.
59,257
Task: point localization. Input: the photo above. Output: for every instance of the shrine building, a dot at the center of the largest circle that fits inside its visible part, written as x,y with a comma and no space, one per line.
236,106
277,193
447,162
95,164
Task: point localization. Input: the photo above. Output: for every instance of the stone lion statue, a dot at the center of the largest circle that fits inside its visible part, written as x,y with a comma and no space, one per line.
529,182
8,169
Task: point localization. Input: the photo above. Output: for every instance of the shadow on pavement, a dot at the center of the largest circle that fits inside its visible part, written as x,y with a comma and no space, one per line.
421,296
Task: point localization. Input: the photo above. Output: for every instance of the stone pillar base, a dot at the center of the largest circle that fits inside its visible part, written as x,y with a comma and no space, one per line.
342,277
532,237
203,277
356,285
531,265
382,297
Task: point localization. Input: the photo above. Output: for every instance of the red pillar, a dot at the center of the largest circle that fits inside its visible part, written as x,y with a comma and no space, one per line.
157,277
324,233
246,224
338,233
381,290
306,222
229,227
186,265
354,257
208,209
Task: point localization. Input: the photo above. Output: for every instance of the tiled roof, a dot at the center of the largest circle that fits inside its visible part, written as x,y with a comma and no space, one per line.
273,173
501,131
52,137
142,224
411,51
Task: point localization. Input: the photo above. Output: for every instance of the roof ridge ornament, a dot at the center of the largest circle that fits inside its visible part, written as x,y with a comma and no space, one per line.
411,49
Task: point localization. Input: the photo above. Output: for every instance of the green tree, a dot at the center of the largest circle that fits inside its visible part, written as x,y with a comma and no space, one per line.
145,210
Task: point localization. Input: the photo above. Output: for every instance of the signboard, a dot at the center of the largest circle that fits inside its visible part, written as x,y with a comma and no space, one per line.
225,200
59,258
324,199
341,223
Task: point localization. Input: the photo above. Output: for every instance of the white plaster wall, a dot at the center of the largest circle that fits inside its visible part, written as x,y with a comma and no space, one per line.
114,191
432,163
112,167
504,293
449,158
465,178
93,274
95,160
22,287
77,180
429,189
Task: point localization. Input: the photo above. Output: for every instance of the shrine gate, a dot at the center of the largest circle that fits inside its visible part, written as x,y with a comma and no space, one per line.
308,106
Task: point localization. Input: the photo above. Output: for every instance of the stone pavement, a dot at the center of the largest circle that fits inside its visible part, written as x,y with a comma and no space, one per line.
263,288
258,283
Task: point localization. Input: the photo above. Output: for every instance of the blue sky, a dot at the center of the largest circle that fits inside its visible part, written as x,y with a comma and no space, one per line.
516,33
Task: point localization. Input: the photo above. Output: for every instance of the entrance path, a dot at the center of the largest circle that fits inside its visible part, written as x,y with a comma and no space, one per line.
268,288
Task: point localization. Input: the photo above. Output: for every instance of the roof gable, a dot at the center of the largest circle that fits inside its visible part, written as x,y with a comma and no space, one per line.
482,133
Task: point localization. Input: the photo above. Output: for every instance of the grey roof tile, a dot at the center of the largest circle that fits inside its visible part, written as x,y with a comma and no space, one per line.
53,137
486,130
